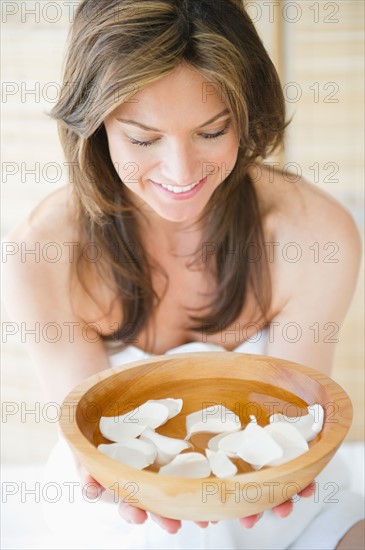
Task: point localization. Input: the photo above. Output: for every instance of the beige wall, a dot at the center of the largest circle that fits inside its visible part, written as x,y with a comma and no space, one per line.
308,48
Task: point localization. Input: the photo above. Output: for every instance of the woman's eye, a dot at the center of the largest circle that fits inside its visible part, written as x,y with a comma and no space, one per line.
216,135
141,143
205,136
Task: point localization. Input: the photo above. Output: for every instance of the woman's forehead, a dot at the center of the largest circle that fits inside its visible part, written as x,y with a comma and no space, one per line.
184,94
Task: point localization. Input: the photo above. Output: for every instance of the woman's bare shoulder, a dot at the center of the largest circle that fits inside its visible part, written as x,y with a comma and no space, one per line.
47,248
38,262
53,220
316,252
312,237
299,209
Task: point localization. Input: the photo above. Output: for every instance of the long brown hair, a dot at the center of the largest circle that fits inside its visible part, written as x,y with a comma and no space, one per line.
117,48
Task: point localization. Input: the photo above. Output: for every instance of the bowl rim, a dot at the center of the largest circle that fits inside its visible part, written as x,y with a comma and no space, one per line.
72,433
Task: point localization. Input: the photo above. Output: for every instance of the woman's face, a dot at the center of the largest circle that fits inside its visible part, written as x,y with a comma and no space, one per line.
175,132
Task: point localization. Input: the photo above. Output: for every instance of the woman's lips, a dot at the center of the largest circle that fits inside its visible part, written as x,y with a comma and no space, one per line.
180,195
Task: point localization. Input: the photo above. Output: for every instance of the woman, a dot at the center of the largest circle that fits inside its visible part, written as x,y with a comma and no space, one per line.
172,229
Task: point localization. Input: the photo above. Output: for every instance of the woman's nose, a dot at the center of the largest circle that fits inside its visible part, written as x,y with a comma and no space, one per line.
181,165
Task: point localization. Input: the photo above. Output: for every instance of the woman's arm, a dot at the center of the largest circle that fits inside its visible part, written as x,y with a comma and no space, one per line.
319,286
37,296
38,292
65,349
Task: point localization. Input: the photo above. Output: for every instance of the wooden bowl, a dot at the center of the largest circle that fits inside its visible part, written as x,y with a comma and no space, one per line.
246,384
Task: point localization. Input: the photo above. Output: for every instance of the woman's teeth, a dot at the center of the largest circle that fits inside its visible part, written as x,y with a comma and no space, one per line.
175,189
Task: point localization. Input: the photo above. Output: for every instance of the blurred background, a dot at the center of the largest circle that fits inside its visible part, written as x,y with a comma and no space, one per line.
317,48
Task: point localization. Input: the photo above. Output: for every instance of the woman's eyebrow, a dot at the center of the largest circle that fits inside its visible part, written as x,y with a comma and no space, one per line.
144,127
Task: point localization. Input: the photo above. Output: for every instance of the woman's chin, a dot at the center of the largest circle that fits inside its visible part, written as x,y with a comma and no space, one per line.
182,216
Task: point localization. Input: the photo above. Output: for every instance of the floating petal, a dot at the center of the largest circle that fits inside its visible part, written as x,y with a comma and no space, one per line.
167,447
213,419
290,440
220,464
132,424
193,465
174,405
213,444
253,445
317,412
309,425
135,453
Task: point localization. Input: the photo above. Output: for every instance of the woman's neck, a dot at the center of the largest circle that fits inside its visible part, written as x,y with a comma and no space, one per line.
165,236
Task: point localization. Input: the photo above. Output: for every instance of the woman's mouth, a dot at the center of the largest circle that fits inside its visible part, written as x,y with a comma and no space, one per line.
176,191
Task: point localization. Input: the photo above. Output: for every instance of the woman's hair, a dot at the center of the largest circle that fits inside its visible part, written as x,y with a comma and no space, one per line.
118,47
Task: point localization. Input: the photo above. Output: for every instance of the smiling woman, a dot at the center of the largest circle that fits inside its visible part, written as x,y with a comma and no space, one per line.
191,65
179,164
167,110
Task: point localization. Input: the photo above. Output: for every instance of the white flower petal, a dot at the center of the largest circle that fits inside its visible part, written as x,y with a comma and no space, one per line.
302,423
309,425
232,441
229,443
213,419
167,447
220,464
193,465
119,431
135,453
282,440
290,440
132,424
317,412
213,444
253,445
174,405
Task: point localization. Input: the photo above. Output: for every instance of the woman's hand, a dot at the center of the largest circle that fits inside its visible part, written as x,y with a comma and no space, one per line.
129,513
137,515
89,485
282,510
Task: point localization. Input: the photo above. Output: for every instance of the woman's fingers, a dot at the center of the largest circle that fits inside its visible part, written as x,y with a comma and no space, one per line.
250,521
283,509
137,515
131,513
308,491
90,486
173,525
170,525
202,524
286,508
